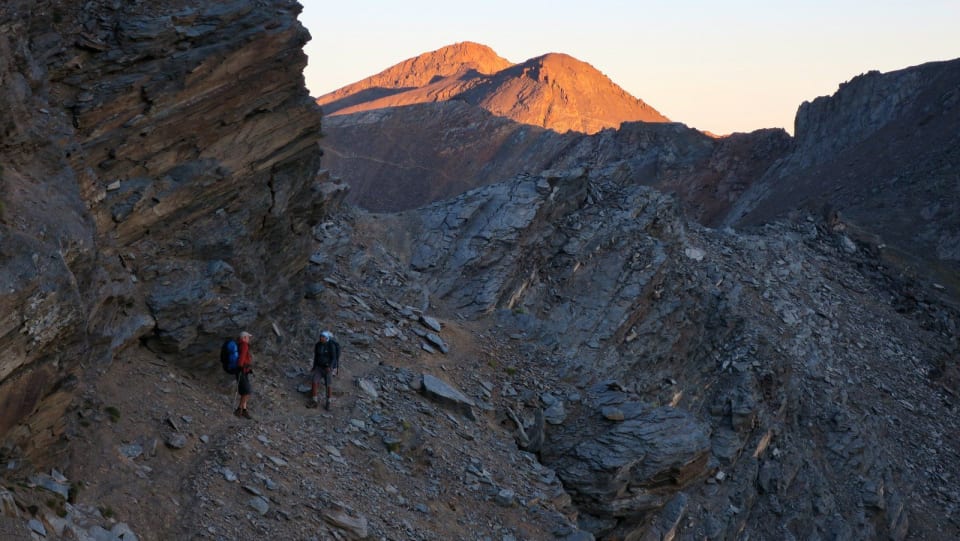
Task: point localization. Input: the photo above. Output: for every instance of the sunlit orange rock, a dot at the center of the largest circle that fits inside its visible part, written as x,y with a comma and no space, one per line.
553,91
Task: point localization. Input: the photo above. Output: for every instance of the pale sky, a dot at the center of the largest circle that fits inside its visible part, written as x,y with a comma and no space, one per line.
715,65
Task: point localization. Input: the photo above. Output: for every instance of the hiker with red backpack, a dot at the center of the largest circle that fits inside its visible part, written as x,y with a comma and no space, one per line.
244,369
326,361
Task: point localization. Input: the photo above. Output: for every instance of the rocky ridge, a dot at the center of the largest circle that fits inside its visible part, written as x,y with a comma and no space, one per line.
883,153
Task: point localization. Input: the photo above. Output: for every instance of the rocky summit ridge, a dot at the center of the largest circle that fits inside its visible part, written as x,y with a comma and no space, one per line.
553,91
564,353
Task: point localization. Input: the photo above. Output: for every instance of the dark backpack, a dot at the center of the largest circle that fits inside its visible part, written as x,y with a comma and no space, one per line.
230,356
331,356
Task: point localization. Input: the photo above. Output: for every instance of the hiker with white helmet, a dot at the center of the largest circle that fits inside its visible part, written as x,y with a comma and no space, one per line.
326,361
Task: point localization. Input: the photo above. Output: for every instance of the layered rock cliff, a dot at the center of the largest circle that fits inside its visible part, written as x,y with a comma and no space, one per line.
151,155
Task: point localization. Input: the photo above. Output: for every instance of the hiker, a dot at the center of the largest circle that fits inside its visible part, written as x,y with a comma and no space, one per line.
243,375
326,361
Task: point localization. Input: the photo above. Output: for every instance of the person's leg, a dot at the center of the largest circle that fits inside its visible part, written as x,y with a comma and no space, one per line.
245,392
314,388
326,385
239,409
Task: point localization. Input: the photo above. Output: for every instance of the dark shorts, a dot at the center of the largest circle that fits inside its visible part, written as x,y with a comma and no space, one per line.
321,375
243,384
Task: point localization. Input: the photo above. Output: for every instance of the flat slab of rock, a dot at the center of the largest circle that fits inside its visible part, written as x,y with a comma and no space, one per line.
556,413
430,322
435,340
355,526
176,441
259,504
612,413
447,395
368,387
47,482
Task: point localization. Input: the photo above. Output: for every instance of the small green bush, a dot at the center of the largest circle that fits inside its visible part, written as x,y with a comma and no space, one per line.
113,412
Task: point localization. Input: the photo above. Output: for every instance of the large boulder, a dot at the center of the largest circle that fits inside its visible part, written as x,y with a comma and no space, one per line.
639,464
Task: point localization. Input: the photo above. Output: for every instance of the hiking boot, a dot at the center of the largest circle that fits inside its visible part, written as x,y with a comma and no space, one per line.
311,403
238,412
326,405
246,414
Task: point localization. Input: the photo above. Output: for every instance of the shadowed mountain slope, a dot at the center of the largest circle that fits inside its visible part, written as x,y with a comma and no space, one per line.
402,158
554,91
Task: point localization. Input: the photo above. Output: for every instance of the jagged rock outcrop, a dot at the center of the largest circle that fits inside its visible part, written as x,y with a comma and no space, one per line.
882,154
142,183
761,339
554,91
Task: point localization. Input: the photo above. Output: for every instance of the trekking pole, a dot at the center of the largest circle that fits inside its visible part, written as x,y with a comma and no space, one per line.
236,392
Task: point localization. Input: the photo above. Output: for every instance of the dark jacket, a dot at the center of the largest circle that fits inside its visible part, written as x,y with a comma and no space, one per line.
326,354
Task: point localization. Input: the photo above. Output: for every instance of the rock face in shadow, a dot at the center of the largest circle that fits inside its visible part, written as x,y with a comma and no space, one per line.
553,91
143,182
402,158
625,468
881,156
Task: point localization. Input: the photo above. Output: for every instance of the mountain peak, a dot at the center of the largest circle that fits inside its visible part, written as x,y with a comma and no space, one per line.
469,53
421,70
554,91
447,61
558,60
